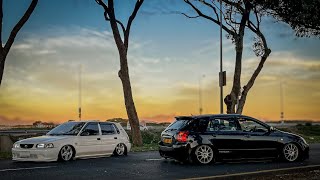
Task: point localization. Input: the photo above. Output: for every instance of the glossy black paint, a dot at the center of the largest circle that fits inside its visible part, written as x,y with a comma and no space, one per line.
229,145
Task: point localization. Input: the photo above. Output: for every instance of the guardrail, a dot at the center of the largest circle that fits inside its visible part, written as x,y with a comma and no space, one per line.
23,132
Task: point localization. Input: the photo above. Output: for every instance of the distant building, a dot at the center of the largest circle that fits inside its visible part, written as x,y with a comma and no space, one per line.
39,124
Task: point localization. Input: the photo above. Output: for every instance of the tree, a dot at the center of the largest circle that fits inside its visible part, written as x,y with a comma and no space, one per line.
123,45
302,15
236,19
4,50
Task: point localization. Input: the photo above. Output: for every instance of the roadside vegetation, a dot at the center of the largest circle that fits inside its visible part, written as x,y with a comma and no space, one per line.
310,132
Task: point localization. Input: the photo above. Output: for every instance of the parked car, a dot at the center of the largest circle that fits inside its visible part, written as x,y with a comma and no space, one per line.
208,138
74,139
143,127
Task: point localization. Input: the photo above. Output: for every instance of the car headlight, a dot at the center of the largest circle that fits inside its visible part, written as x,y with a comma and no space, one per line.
16,146
50,145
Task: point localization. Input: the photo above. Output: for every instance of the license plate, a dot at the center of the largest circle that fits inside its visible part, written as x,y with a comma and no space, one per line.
24,154
167,140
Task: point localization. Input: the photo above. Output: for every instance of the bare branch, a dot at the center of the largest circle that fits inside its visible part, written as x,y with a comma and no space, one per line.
210,18
234,4
18,26
211,6
190,16
131,18
1,18
101,3
119,22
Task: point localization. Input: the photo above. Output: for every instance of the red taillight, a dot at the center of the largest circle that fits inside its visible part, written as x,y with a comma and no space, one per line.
182,136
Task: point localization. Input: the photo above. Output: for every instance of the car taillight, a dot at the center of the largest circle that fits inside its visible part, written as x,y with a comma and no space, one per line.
182,136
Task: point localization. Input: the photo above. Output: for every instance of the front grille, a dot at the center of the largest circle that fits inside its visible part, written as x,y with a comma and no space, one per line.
26,146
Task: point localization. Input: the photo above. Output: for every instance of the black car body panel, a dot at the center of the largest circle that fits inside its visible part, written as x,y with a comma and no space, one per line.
261,142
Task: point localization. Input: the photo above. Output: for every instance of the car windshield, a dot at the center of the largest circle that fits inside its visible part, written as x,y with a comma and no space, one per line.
69,128
178,124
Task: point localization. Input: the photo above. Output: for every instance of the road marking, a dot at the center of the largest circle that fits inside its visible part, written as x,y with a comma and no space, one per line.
155,159
249,173
19,169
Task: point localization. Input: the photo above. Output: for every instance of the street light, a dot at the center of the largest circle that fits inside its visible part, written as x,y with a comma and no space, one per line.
200,94
281,103
222,74
80,91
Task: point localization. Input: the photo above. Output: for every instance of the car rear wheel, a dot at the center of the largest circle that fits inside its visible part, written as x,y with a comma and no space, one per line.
66,153
290,152
204,154
120,150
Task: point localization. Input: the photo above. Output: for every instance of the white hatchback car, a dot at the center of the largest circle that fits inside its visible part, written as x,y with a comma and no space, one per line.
74,139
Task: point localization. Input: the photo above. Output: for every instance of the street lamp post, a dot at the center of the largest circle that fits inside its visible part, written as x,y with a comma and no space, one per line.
222,74
80,91
281,103
200,94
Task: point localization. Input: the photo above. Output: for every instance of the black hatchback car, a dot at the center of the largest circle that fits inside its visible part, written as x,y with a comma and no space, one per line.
209,138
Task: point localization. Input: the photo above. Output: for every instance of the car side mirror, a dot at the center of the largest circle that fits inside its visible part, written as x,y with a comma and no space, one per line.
84,133
271,129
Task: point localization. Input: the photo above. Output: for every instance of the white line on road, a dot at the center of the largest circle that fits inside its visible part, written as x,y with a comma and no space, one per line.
155,159
19,169
248,173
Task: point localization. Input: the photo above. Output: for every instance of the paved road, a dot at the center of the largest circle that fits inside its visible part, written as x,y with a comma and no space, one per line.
147,165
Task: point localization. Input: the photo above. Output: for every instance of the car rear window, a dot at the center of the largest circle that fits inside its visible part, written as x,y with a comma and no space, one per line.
178,124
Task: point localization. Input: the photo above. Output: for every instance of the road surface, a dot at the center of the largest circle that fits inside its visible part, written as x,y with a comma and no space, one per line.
146,165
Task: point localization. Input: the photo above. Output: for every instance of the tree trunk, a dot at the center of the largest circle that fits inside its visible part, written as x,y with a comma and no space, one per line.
130,107
231,99
2,61
250,83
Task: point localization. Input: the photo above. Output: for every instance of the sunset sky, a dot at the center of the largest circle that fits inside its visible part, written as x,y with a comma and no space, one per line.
168,54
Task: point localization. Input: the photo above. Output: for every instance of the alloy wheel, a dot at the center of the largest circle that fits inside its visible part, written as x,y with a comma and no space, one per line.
204,154
66,153
290,152
120,149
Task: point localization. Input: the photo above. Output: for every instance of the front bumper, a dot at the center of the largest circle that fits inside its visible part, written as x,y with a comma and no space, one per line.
178,152
41,155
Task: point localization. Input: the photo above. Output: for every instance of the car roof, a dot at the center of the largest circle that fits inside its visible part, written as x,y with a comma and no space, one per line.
205,116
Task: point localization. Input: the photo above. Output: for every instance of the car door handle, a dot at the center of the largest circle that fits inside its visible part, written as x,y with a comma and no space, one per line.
115,138
247,136
98,138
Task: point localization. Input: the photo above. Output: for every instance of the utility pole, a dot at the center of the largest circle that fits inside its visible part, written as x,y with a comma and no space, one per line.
80,91
281,103
222,74
200,94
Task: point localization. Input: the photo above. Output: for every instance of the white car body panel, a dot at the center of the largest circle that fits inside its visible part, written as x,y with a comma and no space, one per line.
84,146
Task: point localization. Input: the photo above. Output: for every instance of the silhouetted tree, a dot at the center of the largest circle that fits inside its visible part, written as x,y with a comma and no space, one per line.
302,15
238,15
4,50
123,45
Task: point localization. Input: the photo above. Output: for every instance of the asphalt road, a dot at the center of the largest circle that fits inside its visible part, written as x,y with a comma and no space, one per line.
146,165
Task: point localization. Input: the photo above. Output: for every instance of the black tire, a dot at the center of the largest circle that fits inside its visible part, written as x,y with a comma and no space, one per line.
66,153
120,150
203,154
291,152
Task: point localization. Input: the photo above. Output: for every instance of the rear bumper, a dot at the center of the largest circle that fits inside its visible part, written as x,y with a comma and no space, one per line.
178,152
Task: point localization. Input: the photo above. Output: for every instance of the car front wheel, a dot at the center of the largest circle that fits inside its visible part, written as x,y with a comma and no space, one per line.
204,154
290,152
66,153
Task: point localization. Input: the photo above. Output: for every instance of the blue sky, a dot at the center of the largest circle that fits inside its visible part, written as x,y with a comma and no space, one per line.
168,53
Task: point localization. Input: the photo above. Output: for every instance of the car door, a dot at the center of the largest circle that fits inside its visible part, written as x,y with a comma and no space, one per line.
89,140
226,136
257,141
109,137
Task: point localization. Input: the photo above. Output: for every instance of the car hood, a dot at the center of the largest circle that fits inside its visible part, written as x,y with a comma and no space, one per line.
289,134
42,139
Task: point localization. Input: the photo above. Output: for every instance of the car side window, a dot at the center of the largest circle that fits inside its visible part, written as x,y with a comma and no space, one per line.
219,124
91,129
249,125
107,129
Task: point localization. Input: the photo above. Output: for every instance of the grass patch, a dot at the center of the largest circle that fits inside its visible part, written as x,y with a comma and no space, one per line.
5,155
311,133
145,147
